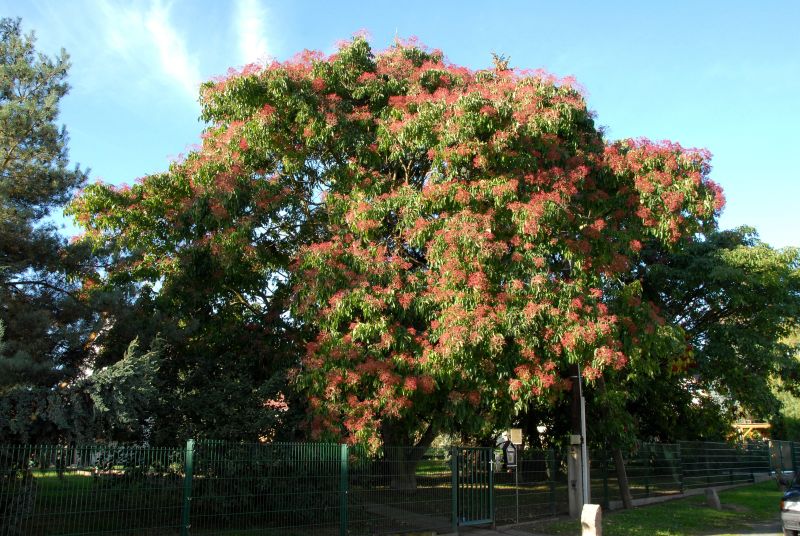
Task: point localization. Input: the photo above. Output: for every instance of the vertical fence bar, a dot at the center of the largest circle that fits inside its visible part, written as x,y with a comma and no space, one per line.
490,455
793,454
606,498
769,456
187,487
464,479
454,485
343,480
551,462
647,471
516,485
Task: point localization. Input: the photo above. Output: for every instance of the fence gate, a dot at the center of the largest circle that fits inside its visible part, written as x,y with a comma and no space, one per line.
473,486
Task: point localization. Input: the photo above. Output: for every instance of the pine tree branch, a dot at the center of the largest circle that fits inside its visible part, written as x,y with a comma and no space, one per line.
42,283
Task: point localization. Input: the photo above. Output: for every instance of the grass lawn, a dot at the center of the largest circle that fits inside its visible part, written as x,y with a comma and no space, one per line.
741,508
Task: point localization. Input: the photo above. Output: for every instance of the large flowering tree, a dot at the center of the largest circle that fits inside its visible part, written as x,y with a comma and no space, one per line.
453,239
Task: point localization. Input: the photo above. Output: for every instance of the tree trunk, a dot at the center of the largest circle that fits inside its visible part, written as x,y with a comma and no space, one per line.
622,479
619,461
404,474
402,462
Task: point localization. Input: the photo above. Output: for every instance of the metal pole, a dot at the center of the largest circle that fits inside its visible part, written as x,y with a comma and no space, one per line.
490,454
606,498
647,471
551,463
454,487
516,483
343,485
187,487
584,453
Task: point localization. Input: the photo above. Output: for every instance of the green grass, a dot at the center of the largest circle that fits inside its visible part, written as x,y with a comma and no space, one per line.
432,467
741,509
77,502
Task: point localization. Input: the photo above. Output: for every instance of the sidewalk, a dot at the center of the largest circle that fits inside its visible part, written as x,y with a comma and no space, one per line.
501,531
524,529
768,529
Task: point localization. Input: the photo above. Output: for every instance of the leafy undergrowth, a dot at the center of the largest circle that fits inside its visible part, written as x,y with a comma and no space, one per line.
741,509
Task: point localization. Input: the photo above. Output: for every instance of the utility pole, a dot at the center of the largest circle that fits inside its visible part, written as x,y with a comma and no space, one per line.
578,461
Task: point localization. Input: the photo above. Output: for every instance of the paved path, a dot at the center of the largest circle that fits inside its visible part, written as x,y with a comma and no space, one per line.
426,523
768,529
474,531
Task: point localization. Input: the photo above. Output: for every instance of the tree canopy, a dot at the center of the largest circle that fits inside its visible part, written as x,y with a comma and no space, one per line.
737,301
44,320
445,241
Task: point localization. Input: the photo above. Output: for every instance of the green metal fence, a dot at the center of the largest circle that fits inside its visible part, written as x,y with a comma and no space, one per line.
473,479
783,458
795,449
535,488
655,469
276,488
94,489
706,464
390,494
210,487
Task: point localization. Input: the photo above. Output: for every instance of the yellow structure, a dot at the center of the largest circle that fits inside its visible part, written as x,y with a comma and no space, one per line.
746,428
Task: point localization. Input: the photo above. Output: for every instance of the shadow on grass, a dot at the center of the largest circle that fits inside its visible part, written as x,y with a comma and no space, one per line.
744,510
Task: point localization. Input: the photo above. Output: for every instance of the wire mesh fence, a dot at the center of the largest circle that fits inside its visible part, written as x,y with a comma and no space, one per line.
535,488
93,489
783,456
212,487
652,469
796,457
398,491
706,464
658,469
275,488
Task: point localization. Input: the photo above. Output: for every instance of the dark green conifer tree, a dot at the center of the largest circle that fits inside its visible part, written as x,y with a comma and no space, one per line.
44,323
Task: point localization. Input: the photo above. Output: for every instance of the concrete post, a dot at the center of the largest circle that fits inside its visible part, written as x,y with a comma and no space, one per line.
574,477
713,499
592,520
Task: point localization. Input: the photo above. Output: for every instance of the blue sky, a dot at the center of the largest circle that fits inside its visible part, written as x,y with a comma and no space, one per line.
724,75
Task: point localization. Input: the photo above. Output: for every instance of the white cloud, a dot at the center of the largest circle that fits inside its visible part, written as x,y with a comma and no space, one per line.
175,60
140,41
138,48
251,28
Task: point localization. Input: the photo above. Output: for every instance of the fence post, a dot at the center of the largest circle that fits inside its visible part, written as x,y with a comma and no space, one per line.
343,488
793,453
454,487
187,487
606,498
769,456
680,468
551,458
490,455
646,460
516,484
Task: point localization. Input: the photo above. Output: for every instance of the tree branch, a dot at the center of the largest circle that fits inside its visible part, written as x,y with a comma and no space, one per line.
42,283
